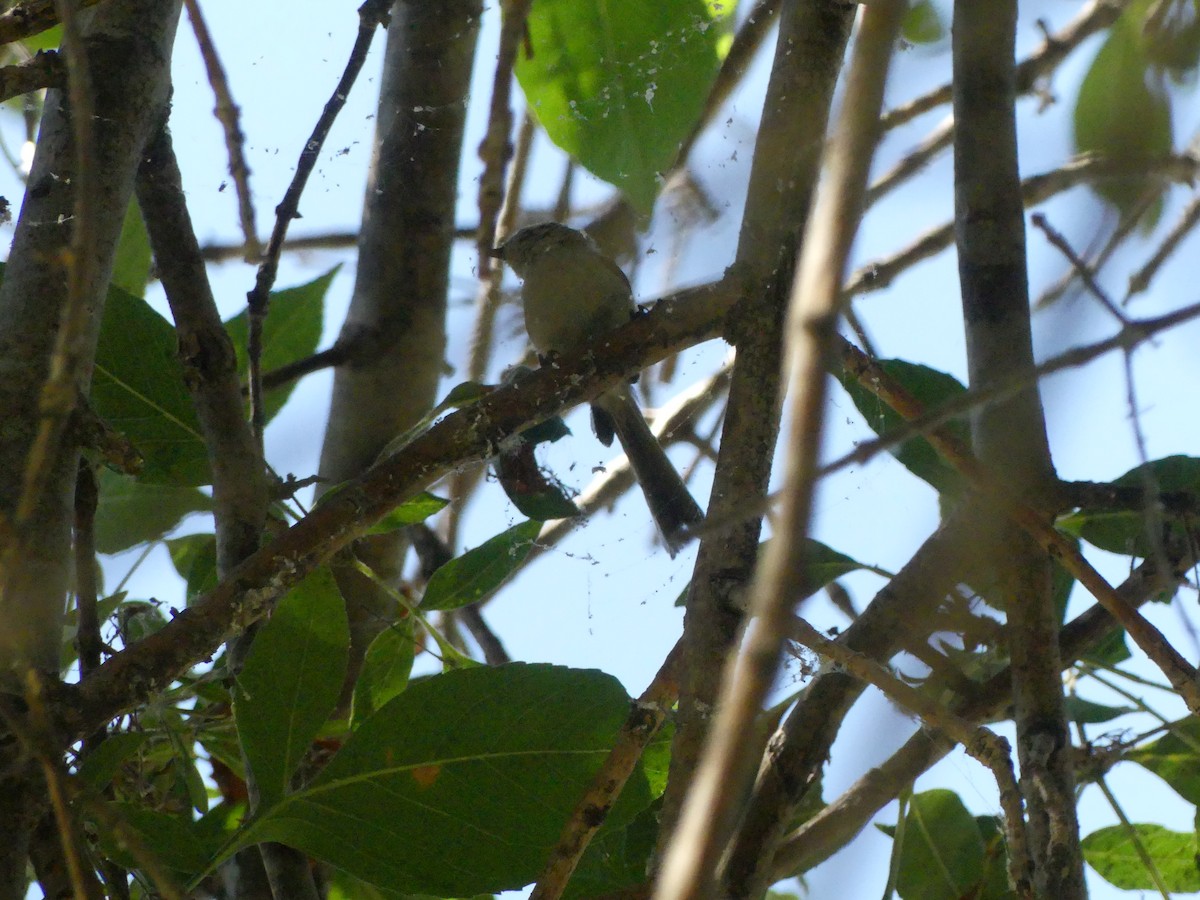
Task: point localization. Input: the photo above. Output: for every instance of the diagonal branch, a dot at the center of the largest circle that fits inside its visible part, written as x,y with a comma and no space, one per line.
249,591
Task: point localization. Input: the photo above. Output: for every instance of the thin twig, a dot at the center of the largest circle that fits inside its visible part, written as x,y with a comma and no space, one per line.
337,240
876,275
1127,338
1140,280
494,149
1179,672
1094,17
980,743
371,15
742,50
228,115
1099,14
1127,224
1086,275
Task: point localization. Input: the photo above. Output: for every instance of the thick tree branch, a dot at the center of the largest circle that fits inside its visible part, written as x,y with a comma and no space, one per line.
708,819
128,46
808,57
396,320
1010,436
247,593
835,825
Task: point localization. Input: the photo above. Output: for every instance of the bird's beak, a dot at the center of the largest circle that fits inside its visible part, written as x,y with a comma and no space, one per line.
496,252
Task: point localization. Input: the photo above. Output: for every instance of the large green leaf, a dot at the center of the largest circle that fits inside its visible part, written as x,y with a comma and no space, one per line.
616,858
138,389
467,578
1112,853
178,842
1122,113
1175,758
618,84
291,681
131,512
945,854
1129,533
462,783
932,388
291,332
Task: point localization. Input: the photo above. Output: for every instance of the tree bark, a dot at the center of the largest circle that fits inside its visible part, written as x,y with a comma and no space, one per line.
128,57
396,323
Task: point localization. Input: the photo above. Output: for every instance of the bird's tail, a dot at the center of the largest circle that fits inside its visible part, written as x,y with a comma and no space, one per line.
671,504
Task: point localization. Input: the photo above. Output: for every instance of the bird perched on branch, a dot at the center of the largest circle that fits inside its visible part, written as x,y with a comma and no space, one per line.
572,294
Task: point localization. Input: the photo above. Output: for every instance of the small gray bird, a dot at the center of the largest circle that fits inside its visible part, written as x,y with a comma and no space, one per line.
572,293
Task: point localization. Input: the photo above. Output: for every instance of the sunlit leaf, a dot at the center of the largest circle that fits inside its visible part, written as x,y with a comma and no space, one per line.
1111,852
618,84
467,578
138,389
1130,532
291,332
932,388
1122,113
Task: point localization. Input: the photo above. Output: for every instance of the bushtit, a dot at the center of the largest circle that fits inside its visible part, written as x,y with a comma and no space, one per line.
572,294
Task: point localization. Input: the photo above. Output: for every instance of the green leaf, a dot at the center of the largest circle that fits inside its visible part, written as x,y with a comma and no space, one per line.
1111,852
1080,710
923,24
386,669
131,512
100,766
1175,758
1062,583
616,858
823,564
932,388
944,856
533,491
995,884
418,509
618,84
1110,651
480,766
1127,533
291,681
50,39
195,559
175,841
477,572
1122,112
131,267
138,389
291,332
